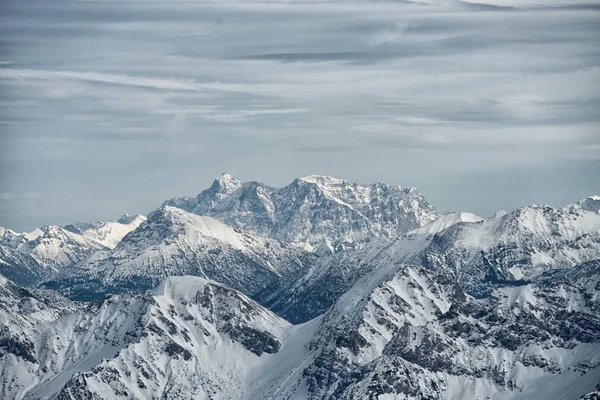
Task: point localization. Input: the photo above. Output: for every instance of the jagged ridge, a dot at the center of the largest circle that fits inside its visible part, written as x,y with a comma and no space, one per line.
325,214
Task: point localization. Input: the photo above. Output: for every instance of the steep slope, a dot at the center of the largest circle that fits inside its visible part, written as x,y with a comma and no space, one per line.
480,254
23,313
174,242
17,266
325,214
306,295
192,338
411,333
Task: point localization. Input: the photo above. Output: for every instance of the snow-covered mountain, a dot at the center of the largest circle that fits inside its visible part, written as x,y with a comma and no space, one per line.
480,254
23,314
51,249
399,333
28,258
324,214
190,339
108,233
515,247
19,267
412,333
390,300
174,242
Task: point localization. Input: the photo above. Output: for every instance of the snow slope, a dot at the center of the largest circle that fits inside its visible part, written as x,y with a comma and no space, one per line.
19,267
401,332
111,233
445,221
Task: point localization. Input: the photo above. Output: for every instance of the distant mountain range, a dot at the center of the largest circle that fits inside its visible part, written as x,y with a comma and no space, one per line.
322,289
324,214
31,257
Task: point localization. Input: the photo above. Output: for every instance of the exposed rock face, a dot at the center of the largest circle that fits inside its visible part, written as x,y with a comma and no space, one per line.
325,214
591,396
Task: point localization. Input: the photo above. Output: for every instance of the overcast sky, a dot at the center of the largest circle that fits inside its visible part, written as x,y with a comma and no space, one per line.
112,107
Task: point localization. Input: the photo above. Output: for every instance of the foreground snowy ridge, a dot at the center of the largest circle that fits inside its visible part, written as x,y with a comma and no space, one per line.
401,332
191,334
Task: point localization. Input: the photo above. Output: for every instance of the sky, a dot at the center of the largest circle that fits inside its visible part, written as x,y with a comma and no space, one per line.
109,107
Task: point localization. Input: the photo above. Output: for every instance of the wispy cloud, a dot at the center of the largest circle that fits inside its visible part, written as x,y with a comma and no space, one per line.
114,79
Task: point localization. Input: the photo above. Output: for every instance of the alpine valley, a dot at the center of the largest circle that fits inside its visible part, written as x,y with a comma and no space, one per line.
323,289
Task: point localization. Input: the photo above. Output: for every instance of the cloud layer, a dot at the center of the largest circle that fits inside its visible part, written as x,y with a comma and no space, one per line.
113,107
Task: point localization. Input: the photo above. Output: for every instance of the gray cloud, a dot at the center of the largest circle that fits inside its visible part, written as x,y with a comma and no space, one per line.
107,109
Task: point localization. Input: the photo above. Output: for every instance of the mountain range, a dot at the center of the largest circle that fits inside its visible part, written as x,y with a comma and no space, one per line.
324,214
30,257
322,289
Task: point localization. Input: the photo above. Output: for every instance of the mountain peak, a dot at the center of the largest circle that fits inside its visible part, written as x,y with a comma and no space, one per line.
500,214
181,285
166,212
195,227
226,181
